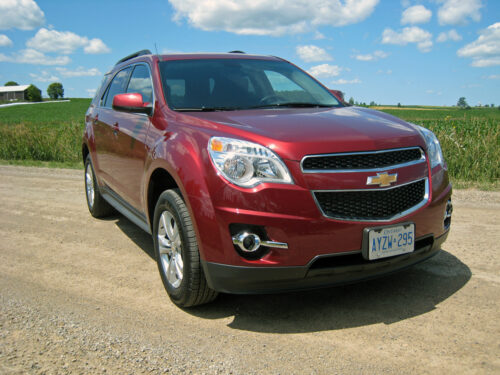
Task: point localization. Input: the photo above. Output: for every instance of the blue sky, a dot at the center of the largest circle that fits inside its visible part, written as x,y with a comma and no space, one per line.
414,52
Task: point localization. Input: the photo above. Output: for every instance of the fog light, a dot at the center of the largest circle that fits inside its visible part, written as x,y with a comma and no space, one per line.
248,242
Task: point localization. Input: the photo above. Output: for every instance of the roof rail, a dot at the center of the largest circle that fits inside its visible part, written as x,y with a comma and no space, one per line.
136,54
236,51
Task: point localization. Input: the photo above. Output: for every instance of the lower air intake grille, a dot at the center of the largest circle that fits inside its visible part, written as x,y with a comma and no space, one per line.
370,205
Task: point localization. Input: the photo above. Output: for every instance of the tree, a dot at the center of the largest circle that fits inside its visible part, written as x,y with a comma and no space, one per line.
11,83
351,101
372,103
33,94
399,104
462,103
55,90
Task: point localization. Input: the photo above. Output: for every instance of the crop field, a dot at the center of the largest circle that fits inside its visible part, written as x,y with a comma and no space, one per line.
470,139
51,134
43,134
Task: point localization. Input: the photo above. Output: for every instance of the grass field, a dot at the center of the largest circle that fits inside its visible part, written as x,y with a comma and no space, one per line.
470,140
47,134
50,135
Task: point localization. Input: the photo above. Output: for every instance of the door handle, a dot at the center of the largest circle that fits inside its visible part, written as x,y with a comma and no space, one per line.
116,128
95,120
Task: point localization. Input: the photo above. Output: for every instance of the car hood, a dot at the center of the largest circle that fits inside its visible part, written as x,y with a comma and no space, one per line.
294,133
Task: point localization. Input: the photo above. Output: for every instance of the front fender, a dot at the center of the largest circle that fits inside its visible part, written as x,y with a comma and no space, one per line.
184,156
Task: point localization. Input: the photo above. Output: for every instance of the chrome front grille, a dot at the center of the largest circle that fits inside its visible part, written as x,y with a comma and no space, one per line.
362,161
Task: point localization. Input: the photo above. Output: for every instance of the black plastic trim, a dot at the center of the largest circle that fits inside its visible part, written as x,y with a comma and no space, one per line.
255,280
131,213
135,54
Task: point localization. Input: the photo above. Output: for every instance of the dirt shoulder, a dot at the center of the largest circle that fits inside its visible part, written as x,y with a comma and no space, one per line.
80,295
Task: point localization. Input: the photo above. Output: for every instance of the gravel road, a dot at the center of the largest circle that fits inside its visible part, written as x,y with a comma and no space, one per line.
83,296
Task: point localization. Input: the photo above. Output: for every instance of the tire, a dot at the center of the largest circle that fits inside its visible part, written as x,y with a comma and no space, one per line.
177,252
96,204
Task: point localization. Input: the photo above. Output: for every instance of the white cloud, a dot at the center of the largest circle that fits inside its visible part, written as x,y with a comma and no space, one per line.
493,76
388,72
20,14
416,14
325,70
312,53
486,62
5,41
414,34
485,50
79,72
318,35
64,42
44,76
270,17
91,92
56,41
31,56
346,81
450,35
377,55
96,46
457,12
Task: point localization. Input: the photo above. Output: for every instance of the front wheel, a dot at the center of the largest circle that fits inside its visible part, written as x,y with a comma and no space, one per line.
177,252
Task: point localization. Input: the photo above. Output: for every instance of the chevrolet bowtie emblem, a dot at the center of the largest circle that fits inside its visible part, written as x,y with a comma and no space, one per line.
382,179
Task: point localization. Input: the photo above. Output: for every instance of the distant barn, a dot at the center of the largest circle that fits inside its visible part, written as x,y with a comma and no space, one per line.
10,93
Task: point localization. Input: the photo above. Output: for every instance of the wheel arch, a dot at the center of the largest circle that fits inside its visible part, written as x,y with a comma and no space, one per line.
85,152
159,181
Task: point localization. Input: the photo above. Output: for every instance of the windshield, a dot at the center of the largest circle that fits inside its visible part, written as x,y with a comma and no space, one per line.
233,84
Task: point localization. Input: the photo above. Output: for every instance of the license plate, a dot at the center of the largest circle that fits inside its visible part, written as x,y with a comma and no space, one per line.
382,242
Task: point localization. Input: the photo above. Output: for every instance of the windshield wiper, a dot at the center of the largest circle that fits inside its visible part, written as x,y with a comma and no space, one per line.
292,105
206,109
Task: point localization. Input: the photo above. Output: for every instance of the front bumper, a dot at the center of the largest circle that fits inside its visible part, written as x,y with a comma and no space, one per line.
322,271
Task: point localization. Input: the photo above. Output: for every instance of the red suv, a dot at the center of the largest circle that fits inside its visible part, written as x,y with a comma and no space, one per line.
252,177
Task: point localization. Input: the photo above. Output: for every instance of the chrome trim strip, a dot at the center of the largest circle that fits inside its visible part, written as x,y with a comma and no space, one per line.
421,160
277,245
239,242
395,217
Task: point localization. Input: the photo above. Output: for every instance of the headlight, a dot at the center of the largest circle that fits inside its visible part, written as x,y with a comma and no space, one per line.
245,163
433,147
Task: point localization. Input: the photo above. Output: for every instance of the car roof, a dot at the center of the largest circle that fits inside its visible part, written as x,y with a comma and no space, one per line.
142,57
205,55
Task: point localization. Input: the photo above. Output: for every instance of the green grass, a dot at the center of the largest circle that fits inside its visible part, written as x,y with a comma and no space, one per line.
44,164
50,135
50,132
45,113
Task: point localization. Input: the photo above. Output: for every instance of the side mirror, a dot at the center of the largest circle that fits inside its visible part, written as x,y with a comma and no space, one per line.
338,94
131,103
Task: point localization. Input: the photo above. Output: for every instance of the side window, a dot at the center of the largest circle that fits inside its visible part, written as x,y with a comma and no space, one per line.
98,94
117,86
140,82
